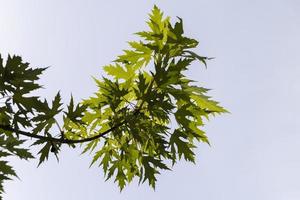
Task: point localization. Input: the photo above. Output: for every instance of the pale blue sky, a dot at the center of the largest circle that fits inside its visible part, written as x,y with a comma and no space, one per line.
255,149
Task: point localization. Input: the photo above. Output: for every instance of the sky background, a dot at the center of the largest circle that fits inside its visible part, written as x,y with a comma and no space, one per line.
255,149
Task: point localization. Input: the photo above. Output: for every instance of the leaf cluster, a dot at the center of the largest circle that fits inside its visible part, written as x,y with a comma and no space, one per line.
20,111
145,116
146,89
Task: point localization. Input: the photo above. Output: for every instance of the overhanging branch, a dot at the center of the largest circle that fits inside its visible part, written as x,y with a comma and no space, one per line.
61,140
64,140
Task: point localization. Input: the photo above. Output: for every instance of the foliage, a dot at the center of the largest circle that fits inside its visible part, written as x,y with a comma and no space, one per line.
145,116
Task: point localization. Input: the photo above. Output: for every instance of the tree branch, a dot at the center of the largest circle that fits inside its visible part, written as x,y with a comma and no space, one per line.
63,140
60,140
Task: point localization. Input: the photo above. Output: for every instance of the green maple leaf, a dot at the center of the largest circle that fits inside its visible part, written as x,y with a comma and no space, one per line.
184,148
17,76
118,71
44,152
6,172
75,113
6,169
136,58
